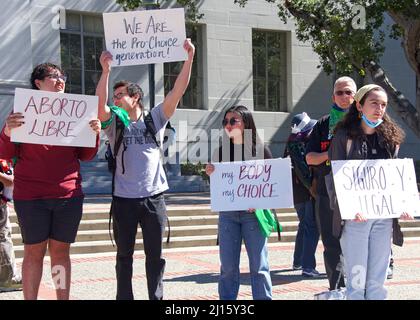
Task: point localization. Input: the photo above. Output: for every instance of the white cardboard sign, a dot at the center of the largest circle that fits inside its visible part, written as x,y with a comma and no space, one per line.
377,189
55,118
145,37
258,184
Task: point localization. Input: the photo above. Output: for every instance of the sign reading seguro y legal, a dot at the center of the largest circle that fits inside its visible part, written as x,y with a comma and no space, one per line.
258,184
55,118
377,189
144,37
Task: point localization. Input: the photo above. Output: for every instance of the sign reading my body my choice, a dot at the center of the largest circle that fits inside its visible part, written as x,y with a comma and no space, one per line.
259,184
377,189
54,118
145,37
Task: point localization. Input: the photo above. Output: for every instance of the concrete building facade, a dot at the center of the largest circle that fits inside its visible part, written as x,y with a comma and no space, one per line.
226,71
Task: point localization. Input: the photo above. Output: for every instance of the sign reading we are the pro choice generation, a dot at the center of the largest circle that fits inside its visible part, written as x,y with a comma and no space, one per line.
145,37
258,184
54,118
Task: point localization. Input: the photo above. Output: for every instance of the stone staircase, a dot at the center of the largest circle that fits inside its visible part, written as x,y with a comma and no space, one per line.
192,224
97,180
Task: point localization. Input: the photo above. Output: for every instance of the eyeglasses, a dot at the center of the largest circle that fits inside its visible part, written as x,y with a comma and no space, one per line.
119,95
347,92
56,76
232,121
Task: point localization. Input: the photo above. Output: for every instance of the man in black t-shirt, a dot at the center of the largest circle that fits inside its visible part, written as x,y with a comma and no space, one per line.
317,158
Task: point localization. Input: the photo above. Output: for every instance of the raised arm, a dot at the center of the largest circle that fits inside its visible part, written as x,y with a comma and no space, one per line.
172,99
104,112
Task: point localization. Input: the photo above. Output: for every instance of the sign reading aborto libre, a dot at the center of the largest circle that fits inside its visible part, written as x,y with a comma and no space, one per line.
377,189
145,37
257,184
54,118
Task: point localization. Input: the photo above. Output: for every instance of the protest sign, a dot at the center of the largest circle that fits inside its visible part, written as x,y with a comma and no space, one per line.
258,184
55,118
377,189
145,37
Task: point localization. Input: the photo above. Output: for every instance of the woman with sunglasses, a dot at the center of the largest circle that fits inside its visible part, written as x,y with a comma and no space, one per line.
366,244
241,142
47,193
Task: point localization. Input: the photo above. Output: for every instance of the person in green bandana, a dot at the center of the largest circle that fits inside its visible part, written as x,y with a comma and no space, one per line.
139,180
317,158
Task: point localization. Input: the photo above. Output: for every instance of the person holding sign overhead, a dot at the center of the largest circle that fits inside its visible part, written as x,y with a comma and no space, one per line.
367,132
139,177
47,193
237,225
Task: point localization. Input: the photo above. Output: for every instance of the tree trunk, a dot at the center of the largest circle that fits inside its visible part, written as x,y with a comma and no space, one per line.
400,104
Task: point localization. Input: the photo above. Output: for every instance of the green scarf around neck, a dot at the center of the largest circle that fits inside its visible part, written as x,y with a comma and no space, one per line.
336,115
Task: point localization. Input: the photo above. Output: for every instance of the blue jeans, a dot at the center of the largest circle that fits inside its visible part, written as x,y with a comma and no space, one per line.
366,248
307,236
233,227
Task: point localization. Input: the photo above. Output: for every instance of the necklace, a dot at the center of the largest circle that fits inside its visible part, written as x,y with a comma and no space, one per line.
372,144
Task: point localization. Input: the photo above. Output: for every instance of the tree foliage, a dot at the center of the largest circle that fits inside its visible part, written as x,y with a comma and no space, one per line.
349,35
191,6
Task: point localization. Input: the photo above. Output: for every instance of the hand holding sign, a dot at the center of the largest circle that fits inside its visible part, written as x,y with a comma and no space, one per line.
14,120
376,189
53,118
245,185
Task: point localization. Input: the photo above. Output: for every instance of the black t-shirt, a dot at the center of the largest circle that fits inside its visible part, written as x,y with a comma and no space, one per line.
374,149
237,153
320,141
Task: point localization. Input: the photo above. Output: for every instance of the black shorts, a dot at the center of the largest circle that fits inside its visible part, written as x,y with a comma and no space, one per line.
44,219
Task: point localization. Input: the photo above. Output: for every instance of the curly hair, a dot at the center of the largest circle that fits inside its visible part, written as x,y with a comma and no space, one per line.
389,129
41,71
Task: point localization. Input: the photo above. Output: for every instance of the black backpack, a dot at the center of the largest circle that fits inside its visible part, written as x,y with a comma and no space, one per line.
110,156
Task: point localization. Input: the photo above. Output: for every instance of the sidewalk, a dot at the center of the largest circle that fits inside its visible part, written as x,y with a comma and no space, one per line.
192,275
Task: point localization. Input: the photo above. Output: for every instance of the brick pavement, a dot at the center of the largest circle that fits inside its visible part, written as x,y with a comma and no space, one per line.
191,274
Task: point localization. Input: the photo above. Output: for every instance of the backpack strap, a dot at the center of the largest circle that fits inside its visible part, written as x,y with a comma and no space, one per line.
151,128
119,135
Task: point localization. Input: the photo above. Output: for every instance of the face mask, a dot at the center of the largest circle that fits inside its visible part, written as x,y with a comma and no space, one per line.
371,124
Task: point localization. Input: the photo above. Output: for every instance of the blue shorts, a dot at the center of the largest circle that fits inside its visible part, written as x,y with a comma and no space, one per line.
44,219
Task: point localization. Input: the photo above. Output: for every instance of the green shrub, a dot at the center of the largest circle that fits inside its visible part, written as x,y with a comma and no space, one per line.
190,169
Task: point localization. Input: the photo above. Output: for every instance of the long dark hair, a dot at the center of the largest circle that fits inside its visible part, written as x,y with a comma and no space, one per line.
390,131
249,123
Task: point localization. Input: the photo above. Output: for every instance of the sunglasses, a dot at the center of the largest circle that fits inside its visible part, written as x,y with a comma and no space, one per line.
347,92
232,121
57,77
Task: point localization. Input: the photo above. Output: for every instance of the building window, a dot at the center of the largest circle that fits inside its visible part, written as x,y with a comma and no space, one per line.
81,45
269,56
193,96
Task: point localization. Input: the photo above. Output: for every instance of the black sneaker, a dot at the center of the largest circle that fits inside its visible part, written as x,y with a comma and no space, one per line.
297,267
